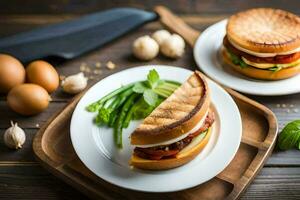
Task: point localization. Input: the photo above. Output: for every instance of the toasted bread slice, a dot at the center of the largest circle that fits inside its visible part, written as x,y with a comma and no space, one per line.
265,30
263,74
183,157
177,115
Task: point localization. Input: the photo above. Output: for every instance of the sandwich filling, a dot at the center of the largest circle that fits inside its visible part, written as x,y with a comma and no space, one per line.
171,150
274,63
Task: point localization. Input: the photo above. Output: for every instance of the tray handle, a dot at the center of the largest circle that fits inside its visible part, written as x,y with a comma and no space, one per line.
177,25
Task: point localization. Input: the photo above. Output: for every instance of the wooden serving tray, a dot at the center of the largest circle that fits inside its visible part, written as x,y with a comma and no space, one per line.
53,148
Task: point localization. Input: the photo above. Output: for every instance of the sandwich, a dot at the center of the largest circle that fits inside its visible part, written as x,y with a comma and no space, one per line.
263,43
177,130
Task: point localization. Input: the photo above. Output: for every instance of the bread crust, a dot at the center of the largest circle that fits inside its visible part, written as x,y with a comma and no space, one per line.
180,126
179,160
265,30
256,73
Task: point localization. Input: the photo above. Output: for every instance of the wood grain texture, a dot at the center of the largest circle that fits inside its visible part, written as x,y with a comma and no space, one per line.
33,182
23,183
273,183
27,122
22,156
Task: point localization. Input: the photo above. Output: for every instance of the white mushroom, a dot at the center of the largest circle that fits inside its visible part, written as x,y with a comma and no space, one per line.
145,48
160,35
173,46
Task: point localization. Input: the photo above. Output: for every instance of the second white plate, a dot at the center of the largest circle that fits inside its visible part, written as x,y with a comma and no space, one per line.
207,56
95,146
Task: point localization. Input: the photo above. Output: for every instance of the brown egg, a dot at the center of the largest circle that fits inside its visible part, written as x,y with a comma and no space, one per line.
12,73
28,99
43,74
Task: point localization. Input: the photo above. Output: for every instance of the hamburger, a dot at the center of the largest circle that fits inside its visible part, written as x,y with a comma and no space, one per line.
177,130
263,43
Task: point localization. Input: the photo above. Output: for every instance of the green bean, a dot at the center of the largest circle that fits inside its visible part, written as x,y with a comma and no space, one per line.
93,107
172,82
130,112
112,118
166,87
123,97
162,93
120,119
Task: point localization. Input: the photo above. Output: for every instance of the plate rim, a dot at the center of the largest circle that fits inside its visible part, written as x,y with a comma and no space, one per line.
168,190
202,42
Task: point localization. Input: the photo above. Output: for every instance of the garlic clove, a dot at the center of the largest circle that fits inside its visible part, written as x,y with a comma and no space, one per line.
14,137
75,83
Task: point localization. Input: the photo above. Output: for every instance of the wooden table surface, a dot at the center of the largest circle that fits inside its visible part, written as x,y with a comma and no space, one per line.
21,176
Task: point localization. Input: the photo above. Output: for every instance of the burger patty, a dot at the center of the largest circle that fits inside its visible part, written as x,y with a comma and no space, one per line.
170,151
279,59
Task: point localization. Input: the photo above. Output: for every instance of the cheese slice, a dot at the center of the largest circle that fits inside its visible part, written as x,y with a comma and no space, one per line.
269,65
197,127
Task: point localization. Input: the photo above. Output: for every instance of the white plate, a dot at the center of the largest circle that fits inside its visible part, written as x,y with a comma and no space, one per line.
207,56
95,147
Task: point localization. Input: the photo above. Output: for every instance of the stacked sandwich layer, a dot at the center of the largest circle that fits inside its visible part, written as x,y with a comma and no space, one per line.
177,130
263,43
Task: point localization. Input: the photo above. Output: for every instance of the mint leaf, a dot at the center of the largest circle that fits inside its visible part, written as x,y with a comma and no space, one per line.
143,109
290,136
150,97
160,82
153,78
139,87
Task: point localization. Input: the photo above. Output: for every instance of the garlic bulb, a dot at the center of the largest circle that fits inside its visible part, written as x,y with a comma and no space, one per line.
14,137
173,46
75,83
160,35
145,48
